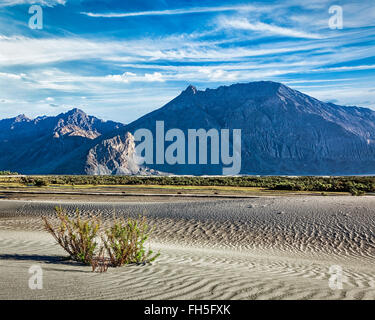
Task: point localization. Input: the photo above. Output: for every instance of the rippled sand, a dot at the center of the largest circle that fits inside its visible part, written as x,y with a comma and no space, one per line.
259,248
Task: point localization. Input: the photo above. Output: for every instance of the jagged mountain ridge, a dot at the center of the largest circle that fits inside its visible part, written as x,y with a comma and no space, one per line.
46,145
283,132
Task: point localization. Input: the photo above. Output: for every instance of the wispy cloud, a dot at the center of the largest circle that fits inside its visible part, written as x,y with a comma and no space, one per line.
47,3
348,68
42,51
171,12
128,77
244,24
136,65
12,75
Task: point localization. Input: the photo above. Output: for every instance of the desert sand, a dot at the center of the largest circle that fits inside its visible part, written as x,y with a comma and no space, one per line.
257,248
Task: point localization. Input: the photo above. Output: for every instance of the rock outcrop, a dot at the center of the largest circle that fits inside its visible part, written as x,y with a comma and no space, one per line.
115,156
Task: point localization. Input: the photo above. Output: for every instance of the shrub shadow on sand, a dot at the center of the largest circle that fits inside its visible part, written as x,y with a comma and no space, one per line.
40,258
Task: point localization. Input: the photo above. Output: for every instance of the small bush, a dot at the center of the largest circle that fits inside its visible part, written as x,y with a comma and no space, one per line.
356,192
40,183
77,236
124,242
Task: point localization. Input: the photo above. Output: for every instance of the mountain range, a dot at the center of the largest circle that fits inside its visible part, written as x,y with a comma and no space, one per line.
50,144
284,132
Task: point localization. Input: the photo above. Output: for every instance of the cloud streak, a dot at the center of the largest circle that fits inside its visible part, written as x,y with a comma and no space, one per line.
171,12
53,50
244,24
47,3
117,63
348,68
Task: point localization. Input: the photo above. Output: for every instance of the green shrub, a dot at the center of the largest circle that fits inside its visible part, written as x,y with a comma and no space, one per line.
77,236
125,240
355,192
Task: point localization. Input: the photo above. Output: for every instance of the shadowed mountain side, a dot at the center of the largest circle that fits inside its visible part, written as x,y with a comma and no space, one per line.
283,132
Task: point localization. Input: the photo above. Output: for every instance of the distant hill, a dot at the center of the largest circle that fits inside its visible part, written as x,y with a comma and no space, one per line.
283,132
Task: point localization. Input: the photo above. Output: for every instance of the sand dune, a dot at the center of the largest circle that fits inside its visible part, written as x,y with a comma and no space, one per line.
260,248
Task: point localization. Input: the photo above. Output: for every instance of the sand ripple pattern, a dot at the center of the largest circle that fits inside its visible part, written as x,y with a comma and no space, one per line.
261,248
329,225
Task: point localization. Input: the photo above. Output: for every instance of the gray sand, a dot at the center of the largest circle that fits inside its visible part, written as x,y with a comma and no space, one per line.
259,248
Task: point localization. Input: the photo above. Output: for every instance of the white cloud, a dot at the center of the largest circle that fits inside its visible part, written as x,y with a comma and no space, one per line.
347,68
171,12
132,77
244,24
51,50
12,75
7,101
48,50
48,3
152,77
218,74
125,77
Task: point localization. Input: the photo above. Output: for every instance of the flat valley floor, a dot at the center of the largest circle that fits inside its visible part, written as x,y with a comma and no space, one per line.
268,247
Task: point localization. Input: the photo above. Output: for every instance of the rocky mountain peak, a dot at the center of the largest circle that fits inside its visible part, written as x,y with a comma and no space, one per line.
21,118
76,111
76,123
75,115
190,90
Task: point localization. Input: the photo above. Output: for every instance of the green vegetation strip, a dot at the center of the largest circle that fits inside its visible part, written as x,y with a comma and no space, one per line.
355,185
127,194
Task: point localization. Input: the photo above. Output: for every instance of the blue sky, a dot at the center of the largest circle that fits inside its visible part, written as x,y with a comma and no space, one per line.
121,59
